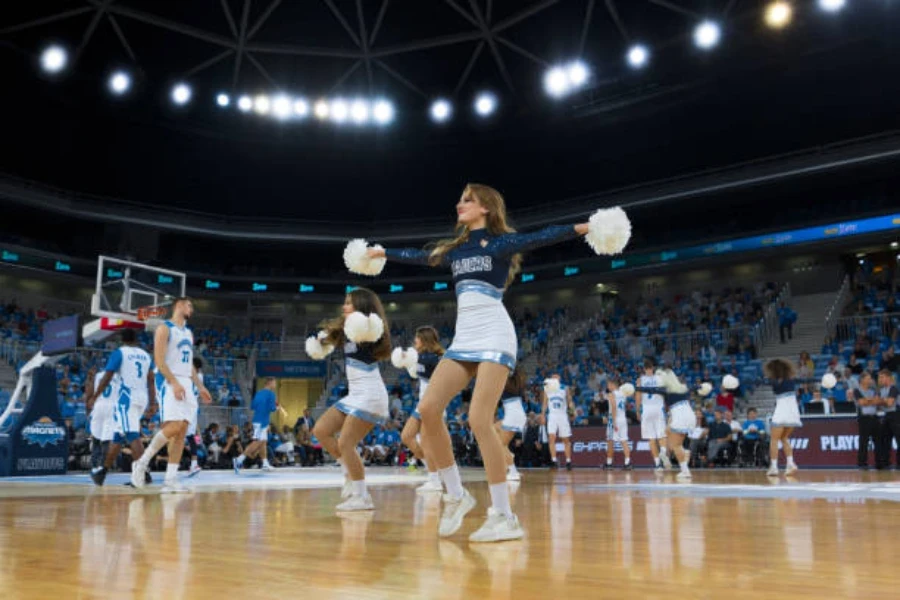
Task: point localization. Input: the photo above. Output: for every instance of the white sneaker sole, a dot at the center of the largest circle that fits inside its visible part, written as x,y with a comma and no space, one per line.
466,504
514,478
174,490
429,490
504,536
791,470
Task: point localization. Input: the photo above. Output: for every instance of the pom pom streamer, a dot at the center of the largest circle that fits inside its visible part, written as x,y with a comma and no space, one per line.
358,261
609,230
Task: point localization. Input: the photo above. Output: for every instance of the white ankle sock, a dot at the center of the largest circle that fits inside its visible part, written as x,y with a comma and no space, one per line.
452,481
194,463
171,471
359,487
609,461
500,498
627,461
512,469
790,461
240,459
159,440
434,477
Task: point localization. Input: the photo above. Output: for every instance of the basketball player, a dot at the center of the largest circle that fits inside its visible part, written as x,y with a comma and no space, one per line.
173,351
101,404
649,404
559,401
513,421
192,427
133,368
264,404
616,425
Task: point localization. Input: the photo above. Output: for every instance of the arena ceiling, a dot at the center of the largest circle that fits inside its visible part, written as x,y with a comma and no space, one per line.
823,79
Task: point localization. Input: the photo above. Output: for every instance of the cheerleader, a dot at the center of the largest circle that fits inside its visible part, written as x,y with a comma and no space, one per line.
787,414
681,418
363,333
617,423
484,258
428,352
513,421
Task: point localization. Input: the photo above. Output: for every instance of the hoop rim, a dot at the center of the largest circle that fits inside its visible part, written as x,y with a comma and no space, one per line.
148,313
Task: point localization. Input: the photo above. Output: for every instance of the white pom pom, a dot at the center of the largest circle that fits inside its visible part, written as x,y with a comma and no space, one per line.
551,385
397,358
627,390
608,231
829,381
356,327
316,349
376,328
705,389
358,261
412,359
730,382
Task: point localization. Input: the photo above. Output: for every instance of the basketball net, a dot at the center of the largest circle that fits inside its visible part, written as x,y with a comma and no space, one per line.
151,316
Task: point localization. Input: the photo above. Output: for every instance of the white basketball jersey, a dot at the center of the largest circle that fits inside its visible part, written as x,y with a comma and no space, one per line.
620,406
180,352
111,391
650,381
557,401
133,368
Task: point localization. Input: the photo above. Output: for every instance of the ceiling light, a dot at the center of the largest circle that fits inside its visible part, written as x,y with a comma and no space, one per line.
181,93
485,104
707,35
383,112
54,59
223,100
119,82
441,110
638,56
778,14
245,104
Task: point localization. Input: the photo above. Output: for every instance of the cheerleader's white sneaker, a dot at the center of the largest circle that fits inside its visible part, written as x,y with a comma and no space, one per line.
498,528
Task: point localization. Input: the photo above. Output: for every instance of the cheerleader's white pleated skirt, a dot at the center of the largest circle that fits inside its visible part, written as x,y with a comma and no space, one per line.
484,331
367,398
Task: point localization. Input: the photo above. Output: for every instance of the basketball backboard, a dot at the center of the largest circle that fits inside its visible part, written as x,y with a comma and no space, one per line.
125,288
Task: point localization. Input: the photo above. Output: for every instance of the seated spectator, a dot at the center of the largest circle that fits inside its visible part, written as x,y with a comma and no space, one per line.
303,444
697,437
719,436
211,441
736,429
725,399
805,367
827,403
284,451
233,446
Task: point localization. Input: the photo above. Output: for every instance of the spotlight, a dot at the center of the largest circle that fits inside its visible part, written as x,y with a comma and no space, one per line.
321,109
245,104
556,82
578,73
181,93
485,104
281,107
707,35
301,107
778,14
223,100
832,6
339,110
638,56
119,82
359,111
54,59
262,105
440,110
895,245
383,112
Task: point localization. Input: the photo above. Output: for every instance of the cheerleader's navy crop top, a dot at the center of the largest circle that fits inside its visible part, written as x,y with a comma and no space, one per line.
485,257
428,362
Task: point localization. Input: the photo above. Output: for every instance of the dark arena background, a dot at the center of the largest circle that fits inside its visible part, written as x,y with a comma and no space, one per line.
228,150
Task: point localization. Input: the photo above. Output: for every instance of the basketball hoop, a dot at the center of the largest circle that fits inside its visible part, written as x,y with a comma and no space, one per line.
148,313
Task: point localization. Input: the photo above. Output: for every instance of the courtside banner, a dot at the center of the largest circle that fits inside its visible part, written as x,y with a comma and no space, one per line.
821,442
290,369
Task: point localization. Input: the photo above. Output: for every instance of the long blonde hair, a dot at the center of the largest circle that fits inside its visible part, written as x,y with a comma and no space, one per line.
493,201
430,341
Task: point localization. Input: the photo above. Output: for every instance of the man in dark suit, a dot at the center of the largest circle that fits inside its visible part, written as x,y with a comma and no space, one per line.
307,419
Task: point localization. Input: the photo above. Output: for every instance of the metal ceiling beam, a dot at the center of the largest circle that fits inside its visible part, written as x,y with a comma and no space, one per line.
241,41
676,8
365,42
589,13
489,12
121,35
614,15
229,18
91,28
48,19
151,19
263,18
262,71
489,38
446,40
337,14
469,66
344,77
208,63
523,52
400,78
521,16
289,49
378,20
463,13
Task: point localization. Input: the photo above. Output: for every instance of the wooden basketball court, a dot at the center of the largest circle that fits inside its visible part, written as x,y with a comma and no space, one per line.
823,534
